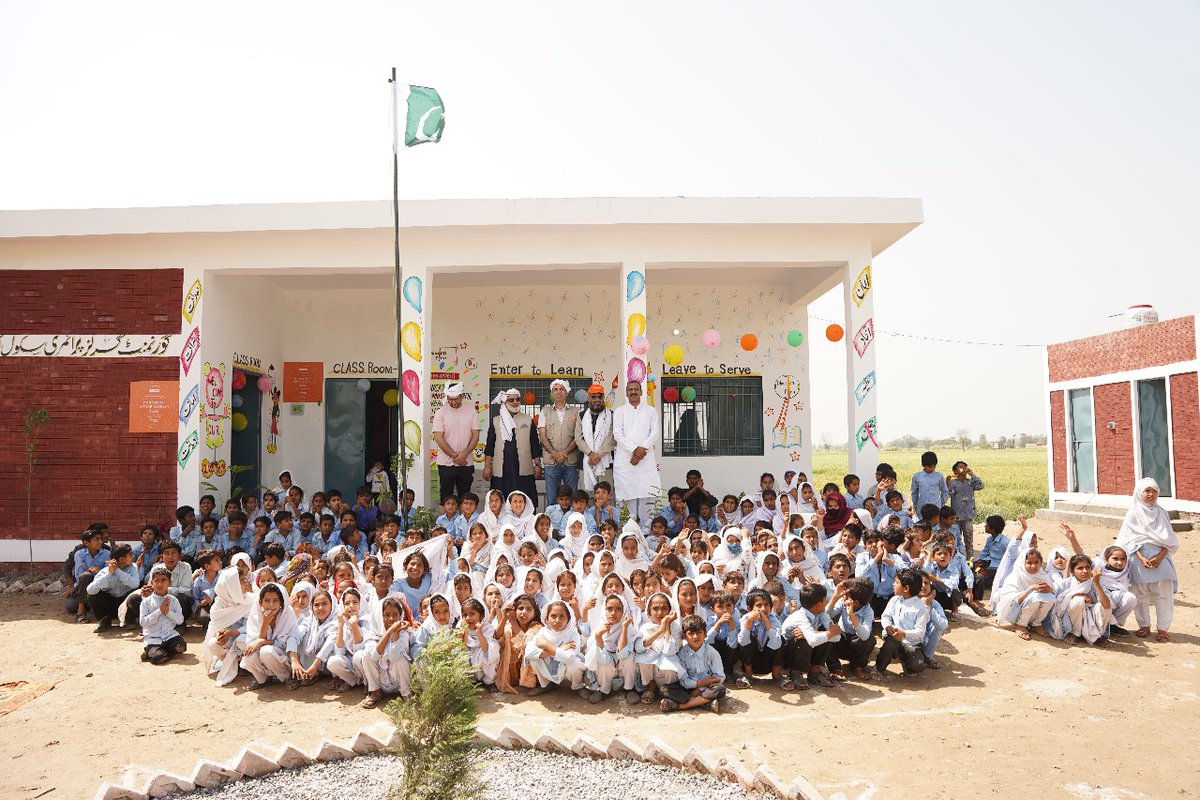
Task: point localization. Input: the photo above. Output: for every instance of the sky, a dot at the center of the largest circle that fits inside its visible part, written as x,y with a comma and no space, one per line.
1052,144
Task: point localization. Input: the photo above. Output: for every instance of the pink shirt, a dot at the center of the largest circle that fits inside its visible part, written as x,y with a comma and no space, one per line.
459,426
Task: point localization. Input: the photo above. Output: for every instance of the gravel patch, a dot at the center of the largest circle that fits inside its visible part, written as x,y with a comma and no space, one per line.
507,774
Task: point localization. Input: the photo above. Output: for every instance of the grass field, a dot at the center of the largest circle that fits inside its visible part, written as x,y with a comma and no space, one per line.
1014,480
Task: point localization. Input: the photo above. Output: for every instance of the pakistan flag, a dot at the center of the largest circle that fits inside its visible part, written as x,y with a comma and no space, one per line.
426,116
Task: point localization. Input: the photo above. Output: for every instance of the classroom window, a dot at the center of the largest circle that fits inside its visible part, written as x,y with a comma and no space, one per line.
724,419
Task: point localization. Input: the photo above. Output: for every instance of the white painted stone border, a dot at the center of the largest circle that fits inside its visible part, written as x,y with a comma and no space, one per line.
250,763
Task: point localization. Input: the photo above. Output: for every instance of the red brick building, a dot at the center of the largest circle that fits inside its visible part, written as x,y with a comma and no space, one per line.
1122,406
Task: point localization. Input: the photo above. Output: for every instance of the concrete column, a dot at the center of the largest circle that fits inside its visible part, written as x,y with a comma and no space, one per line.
633,325
190,448
861,378
416,301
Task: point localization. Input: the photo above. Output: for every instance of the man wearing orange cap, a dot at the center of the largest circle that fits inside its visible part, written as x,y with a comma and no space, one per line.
594,438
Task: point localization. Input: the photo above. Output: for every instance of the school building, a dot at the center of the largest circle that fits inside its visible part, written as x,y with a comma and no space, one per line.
190,350
1123,406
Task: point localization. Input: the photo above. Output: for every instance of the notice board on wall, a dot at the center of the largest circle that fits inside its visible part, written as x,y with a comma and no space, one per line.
153,406
303,381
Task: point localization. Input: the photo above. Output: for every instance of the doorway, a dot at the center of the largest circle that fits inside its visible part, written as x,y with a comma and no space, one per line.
246,445
360,429
1154,433
1083,440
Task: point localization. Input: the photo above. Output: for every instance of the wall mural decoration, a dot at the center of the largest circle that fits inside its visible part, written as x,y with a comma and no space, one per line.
276,396
189,403
191,300
191,347
189,446
215,410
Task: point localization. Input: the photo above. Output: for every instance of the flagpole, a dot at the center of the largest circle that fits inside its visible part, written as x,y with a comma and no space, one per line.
397,283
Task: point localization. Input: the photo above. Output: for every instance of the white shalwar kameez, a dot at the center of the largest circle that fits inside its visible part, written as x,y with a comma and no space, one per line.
636,484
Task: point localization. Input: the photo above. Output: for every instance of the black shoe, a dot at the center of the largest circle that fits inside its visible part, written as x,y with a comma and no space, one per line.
539,690
1117,630
104,625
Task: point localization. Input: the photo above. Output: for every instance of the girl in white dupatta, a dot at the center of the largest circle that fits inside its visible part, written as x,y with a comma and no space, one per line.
1147,535
555,653
352,628
311,645
1082,609
264,644
441,617
574,542
227,621
493,512
658,642
609,654
518,513
1027,595
629,555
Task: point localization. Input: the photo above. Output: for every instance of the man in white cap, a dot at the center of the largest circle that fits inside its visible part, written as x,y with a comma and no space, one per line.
635,470
512,457
557,425
456,431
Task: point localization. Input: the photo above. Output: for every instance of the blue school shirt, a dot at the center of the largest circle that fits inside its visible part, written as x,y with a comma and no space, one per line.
118,583
854,501
194,541
882,575
245,542
456,526
757,633
314,538
814,626
148,561
674,520
557,517
905,518
85,560
854,626
366,517
954,572
726,632
606,513
202,587
158,627
928,488
910,615
993,550
696,665
710,525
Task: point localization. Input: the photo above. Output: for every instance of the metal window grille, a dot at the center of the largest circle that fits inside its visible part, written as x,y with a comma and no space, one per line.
540,388
725,418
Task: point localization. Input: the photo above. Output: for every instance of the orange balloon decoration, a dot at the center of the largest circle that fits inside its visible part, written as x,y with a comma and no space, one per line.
530,398
834,333
749,341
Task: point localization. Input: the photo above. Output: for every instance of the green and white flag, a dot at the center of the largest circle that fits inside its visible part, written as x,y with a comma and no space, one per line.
426,116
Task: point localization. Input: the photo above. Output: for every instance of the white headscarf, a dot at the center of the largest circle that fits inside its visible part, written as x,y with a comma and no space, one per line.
864,518
507,426
285,624
1146,524
317,633
574,545
760,580
491,521
727,562
626,566
675,597
231,607
595,617
613,637
429,626
557,639
562,383
523,524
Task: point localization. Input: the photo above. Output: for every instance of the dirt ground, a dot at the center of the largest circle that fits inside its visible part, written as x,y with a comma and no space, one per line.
1003,718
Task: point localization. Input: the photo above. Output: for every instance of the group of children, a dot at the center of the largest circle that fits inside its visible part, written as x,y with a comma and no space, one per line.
792,585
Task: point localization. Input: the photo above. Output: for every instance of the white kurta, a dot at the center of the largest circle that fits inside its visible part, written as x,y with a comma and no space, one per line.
633,427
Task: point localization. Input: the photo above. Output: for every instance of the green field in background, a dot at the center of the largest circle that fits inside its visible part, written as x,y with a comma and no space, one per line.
1014,479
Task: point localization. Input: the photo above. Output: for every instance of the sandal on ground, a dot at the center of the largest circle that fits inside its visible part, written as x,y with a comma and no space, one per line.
292,684
1101,642
838,676
860,673
786,683
933,663
1040,631
801,683
741,682
668,704
873,674
1142,633
340,686
1024,634
1070,638
83,618
539,690
1162,636
648,696
821,678
371,700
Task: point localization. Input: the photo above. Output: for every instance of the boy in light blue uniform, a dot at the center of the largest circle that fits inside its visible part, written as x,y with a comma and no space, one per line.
851,611
186,523
454,522
89,561
810,634
237,535
929,485
112,585
759,641
854,496
879,565
557,512
305,533
204,587
721,634
146,552
938,623
180,588
904,620
894,506
989,556
701,675
600,511
159,615
205,535
282,531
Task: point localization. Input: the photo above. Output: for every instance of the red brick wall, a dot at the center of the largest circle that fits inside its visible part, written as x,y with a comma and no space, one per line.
1145,346
94,301
90,467
1114,448
1058,438
1185,430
